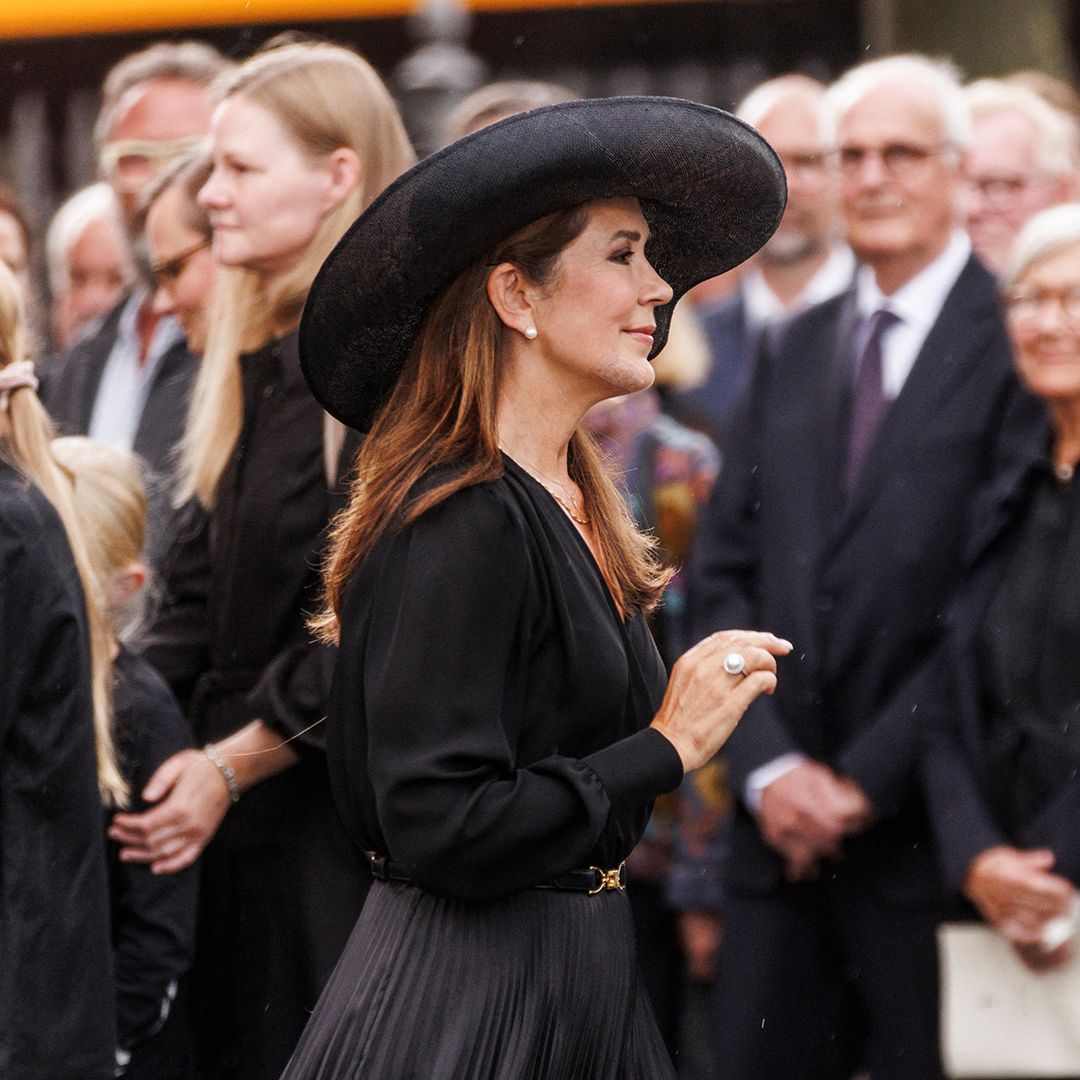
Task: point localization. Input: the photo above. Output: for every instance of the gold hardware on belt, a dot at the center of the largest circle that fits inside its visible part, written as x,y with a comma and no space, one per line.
608,879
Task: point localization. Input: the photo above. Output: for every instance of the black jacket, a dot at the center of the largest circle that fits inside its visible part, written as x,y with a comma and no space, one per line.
858,584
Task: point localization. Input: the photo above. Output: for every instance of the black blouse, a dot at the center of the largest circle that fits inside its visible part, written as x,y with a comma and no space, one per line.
488,726
1028,652
231,639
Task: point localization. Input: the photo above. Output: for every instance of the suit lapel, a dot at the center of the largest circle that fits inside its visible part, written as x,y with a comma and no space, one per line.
942,361
831,404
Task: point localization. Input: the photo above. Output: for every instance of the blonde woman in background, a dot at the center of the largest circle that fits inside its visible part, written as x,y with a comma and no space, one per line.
56,982
304,137
153,915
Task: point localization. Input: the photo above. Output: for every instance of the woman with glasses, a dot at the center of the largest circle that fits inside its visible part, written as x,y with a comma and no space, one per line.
1002,714
178,239
303,138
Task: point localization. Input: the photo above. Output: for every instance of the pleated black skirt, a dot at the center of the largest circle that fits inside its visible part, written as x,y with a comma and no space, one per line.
541,985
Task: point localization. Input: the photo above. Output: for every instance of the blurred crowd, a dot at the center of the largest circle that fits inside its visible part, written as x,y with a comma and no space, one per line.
863,441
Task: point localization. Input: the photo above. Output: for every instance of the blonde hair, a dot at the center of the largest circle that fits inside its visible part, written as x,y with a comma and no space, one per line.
26,442
111,501
326,97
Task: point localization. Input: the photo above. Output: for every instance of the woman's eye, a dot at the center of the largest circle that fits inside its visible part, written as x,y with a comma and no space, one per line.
623,256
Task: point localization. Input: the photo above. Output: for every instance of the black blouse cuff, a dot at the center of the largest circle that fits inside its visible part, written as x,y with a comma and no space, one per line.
637,769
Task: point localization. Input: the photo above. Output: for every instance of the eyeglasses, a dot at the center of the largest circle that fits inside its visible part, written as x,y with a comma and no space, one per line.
900,160
1023,305
167,271
1002,192
808,166
130,163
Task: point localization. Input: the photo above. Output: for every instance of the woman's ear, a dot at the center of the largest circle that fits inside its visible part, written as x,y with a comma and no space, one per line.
345,171
511,297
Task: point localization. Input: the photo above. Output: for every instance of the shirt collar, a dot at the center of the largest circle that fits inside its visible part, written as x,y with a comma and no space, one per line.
763,306
919,301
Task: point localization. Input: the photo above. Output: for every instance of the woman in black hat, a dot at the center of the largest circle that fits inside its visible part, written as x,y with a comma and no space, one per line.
499,723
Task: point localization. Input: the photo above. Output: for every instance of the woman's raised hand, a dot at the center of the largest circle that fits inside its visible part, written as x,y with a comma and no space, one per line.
712,685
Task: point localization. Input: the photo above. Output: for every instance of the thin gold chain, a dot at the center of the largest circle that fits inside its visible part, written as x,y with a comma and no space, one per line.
567,504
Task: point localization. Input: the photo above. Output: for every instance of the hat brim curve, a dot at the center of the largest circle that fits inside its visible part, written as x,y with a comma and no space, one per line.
711,189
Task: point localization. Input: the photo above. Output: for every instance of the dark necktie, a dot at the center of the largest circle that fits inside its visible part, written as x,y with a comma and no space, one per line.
868,402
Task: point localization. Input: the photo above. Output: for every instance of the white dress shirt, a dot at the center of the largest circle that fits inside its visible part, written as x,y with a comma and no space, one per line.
125,381
764,307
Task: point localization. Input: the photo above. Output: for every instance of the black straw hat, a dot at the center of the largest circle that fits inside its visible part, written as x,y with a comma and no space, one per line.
710,187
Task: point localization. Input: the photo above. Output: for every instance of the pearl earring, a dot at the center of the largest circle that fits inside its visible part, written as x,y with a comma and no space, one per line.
530,332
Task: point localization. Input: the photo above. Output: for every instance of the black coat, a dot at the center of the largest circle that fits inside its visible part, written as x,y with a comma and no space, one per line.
858,585
57,1017
956,765
281,884
153,915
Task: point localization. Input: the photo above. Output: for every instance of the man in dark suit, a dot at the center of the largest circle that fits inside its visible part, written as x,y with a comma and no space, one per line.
128,383
804,262
837,522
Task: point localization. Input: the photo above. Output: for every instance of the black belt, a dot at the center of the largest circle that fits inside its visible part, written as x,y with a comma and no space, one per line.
591,880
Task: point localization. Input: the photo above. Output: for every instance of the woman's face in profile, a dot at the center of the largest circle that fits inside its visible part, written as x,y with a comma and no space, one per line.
1044,324
266,197
597,321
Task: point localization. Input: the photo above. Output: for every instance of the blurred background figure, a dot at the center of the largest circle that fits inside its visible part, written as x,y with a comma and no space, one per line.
498,100
666,472
57,765
15,241
839,517
303,138
1024,157
1000,711
129,382
804,263
88,261
178,246
153,915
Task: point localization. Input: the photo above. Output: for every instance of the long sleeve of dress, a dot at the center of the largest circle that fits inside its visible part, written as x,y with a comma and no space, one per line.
452,631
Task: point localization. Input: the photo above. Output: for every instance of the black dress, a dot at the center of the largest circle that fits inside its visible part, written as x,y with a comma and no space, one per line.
153,915
281,885
57,1018
488,732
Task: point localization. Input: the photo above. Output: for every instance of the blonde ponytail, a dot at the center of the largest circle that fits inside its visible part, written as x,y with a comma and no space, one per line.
26,441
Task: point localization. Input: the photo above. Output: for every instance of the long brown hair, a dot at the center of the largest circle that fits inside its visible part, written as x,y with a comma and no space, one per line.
326,97
26,443
442,411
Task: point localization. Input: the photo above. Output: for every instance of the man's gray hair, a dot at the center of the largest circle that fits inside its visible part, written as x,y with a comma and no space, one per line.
94,203
940,77
768,95
195,61
1056,139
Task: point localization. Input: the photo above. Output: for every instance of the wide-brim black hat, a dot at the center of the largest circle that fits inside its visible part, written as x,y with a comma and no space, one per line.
711,189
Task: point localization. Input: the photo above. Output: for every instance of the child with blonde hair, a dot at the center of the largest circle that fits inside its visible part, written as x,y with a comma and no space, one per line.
153,915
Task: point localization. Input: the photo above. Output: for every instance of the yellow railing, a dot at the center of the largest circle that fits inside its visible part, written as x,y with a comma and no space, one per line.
51,18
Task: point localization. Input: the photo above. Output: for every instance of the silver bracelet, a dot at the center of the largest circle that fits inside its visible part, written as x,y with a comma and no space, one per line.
225,769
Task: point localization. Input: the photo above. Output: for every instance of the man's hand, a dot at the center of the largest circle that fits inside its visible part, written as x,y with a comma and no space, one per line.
806,812
700,933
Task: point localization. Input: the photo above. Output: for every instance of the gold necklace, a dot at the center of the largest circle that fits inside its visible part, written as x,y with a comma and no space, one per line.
540,477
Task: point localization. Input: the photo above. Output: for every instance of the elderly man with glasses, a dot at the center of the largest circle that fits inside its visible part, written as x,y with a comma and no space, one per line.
128,383
838,522
1024,157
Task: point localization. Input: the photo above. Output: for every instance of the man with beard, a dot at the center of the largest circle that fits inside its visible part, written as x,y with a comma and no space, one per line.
804,263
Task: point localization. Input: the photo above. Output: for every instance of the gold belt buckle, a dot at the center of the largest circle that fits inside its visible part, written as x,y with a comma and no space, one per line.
608,879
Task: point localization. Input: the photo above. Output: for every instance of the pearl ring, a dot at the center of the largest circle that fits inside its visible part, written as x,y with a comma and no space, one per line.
735,663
